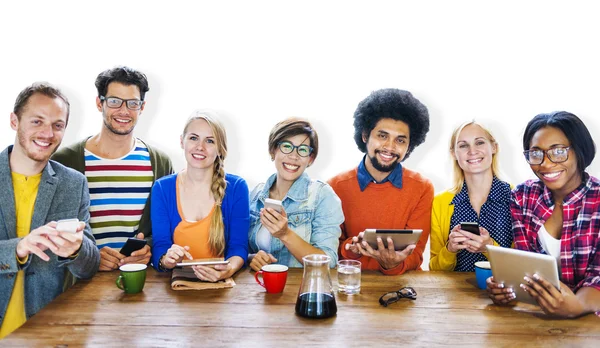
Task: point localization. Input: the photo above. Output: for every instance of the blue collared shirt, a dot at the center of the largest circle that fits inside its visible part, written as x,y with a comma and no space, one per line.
365,178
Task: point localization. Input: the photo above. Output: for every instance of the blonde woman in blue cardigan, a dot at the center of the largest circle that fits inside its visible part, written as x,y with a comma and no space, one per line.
477,196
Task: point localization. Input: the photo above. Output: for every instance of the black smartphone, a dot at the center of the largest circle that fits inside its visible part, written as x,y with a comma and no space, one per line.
132,245
472,227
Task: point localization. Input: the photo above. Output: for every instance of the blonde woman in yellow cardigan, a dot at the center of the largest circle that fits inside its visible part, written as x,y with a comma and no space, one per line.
477,196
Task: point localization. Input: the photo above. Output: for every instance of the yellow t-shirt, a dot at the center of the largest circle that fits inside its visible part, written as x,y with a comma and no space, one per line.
26,189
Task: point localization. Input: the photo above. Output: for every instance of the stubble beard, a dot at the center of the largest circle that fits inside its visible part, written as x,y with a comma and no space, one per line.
26,146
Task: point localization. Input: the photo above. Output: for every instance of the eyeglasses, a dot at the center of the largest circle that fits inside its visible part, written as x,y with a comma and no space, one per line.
395,296
303,150
115,103
557,154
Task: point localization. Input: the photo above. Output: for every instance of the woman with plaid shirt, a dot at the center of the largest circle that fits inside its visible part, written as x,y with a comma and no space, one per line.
558,215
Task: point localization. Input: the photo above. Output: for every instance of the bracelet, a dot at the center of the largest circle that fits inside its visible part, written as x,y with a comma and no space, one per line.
160,264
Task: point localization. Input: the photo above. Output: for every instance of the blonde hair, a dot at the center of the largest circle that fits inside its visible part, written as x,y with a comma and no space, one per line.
459,174
216,238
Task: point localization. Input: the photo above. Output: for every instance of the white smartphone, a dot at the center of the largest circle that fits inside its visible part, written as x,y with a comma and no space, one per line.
67,225
202,263
273,204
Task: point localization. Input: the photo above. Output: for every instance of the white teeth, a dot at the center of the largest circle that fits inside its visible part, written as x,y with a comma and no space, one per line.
198,156
120,120
475,160
290,167
551,175
387,157
41,143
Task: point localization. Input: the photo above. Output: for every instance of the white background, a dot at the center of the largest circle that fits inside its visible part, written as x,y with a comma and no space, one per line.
259,62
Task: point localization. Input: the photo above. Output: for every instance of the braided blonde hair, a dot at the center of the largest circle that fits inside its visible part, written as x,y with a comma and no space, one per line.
216,238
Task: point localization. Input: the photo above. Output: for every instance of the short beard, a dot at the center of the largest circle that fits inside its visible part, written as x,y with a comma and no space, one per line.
30,154
116,131
380,167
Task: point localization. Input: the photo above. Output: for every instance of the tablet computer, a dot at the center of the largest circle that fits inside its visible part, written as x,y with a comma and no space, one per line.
509,266
202,263
401,238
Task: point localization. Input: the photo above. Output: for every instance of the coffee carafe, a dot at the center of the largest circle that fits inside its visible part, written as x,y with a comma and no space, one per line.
315,297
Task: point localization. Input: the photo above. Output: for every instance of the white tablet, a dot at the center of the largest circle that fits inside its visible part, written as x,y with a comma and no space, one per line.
202,263
401,238
509,266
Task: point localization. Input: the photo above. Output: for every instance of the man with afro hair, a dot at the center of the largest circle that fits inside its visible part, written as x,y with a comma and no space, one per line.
381,193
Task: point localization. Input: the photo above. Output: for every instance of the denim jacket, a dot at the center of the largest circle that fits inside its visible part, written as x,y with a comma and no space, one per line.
314,213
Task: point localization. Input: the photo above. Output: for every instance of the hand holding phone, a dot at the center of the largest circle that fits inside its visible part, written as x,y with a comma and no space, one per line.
472,227
273,204
67,225
132,244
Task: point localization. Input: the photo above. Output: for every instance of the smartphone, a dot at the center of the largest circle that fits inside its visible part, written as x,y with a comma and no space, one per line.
202,263
67,225
132,245
472,227
273,204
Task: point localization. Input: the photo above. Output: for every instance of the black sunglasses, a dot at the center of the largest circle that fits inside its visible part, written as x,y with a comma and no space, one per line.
395,296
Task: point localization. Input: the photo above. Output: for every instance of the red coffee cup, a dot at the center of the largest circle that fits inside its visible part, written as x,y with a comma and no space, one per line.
273,276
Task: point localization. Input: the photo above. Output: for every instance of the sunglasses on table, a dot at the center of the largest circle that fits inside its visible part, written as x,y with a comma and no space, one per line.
395,296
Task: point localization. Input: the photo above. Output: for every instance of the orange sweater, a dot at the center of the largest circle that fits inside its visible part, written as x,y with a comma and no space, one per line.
384,206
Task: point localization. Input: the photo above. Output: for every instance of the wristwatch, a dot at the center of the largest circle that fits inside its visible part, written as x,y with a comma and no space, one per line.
160,264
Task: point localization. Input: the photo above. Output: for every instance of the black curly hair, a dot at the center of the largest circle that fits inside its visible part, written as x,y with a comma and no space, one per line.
391,103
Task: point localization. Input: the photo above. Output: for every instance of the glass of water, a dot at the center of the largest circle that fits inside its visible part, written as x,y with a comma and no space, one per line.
348,272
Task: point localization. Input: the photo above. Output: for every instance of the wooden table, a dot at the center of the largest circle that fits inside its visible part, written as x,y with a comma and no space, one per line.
449,310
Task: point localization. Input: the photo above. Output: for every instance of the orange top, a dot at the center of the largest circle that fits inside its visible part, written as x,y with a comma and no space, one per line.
193,234
384,206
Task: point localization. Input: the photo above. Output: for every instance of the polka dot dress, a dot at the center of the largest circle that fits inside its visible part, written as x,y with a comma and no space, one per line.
494,216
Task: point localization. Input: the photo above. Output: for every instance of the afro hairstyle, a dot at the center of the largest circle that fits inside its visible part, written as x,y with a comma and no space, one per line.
391,103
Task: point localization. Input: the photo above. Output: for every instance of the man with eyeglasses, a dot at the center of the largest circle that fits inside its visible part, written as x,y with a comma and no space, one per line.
381,193
120,168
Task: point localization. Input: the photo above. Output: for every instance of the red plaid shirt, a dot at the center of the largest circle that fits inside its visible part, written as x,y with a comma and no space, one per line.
532,204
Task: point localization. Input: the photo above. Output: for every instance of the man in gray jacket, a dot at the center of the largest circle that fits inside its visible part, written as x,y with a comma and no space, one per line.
35,257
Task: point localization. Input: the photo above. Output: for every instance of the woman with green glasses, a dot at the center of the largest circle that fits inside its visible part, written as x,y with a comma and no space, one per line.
311,213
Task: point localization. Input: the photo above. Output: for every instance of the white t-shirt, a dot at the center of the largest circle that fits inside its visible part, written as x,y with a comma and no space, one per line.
263,239
550,244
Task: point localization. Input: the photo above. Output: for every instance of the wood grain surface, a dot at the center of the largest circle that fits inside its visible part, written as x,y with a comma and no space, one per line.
449,310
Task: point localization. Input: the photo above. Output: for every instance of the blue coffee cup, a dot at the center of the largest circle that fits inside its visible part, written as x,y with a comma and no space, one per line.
482,272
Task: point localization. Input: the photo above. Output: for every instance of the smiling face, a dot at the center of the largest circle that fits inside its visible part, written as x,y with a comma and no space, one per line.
473,150
121,120
41,127
199,145
560,178
387,145
290,166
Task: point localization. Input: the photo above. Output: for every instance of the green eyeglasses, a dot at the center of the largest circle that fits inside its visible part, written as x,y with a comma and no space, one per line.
303,150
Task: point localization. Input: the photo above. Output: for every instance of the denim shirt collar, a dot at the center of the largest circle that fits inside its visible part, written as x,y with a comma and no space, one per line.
298,191
365,178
